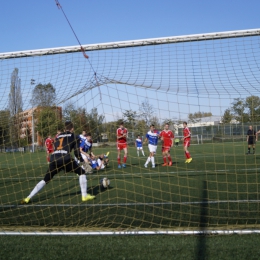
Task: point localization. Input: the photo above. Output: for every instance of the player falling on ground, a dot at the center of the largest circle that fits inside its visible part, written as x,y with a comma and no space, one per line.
121,134
152,137
49,147
251,138
186,142
167,138
99,162
62,160
139,145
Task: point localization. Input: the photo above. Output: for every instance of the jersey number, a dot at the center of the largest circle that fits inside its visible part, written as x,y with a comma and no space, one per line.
60,145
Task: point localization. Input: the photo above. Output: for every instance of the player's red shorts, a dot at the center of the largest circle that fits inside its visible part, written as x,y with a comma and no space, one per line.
121,146
50,151
166,149
186,143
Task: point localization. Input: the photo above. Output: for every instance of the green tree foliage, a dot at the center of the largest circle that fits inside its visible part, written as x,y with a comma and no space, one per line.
130,118
4,127
90,121
196,117
43,95
246,109
48,122
227,117
239,110
252,103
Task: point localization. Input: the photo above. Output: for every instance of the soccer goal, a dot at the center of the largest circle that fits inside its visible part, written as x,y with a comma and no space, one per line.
140,82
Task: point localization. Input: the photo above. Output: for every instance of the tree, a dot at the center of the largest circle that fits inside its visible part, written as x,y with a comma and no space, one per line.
130,118
4,127
15,106
146,111
239,110
89,122
15,95
94,124
252,103
48,122
227,117
43,95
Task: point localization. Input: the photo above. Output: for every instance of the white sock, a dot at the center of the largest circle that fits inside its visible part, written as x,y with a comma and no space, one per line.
83,184
152,159
148,160
137,153
37,188
143,153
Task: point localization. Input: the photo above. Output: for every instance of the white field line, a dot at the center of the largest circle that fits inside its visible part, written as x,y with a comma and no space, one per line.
134,232
132,204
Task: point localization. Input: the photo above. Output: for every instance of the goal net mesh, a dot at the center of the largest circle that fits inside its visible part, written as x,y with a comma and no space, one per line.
211,81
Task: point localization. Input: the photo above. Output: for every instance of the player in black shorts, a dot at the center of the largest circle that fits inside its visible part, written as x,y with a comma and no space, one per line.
251,139
61,160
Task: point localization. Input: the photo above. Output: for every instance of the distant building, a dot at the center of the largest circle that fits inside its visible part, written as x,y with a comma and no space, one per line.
26,123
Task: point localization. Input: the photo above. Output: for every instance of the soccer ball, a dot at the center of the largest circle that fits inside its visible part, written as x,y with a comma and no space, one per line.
105,182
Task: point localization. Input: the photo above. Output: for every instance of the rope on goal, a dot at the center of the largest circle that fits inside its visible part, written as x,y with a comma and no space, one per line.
82,49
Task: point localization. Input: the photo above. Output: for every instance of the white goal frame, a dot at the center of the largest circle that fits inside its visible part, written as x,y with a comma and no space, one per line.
125,44
133,43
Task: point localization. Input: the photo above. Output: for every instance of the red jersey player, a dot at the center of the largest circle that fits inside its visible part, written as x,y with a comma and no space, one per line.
121,134
49,147
186,142
167,137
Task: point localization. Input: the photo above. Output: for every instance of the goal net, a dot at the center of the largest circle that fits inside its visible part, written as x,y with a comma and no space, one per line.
211,81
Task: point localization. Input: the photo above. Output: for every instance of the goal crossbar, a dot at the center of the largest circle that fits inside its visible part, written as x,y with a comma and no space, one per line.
132,43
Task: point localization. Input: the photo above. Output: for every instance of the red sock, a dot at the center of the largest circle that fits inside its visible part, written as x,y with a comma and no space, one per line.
187,155
164,159
169,158
125,159
118,160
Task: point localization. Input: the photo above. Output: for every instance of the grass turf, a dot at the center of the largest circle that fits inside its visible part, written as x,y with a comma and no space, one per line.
130,247
218,188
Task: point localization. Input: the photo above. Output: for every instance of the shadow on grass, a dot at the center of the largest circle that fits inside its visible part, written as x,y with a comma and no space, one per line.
201,246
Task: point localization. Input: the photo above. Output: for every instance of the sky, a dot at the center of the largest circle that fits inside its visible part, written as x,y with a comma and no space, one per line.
30,25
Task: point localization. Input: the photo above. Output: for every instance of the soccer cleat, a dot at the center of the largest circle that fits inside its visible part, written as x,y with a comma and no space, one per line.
186,161
88,197
119,166
123,165
189,160
25,201
145,165
106,155
170,163
165,164
153,166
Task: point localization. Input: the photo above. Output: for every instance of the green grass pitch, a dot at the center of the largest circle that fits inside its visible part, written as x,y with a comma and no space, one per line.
218,188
